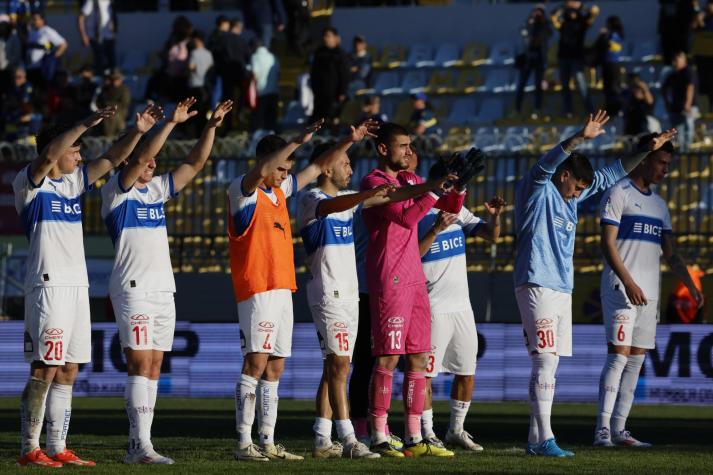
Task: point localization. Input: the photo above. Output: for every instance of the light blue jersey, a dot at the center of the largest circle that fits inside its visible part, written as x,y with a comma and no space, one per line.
546,224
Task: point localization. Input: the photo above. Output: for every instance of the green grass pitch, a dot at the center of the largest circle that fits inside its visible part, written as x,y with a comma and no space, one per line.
199,435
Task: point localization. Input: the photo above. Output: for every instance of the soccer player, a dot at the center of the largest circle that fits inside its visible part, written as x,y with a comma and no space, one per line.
263,274
57,324
454,340
546,200
141,283
399,302
636,231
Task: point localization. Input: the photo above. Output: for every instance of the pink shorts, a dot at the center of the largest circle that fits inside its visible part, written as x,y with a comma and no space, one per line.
400,321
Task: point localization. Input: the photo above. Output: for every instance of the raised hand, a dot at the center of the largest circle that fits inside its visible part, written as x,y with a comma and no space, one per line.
309,132
444,220
221,110
182,114
366,129
495,206
148,118
595,125
382,190
658,142
444,183
99,115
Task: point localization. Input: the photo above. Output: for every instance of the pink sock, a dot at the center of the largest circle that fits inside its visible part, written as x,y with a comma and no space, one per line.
414,399
387,431
360,428
380,390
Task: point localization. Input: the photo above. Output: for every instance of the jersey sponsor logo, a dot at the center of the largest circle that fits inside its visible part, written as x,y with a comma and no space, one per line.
395,322
66,207
54,331
341,325
560,223
447,244
342,231
140,317
265,326
153,213
543,322
651,229
640,228
621,318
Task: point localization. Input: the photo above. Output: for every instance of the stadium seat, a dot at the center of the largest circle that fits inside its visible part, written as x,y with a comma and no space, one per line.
392,56
469,81
499,80
414,81
133,60
487,138
645,51
491,109
462,111
295,114
420,56
516,139
448,55
442,82
649,74
387,82
502,54
475,54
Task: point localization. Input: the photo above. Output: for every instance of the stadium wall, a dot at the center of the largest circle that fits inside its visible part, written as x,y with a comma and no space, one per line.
206,362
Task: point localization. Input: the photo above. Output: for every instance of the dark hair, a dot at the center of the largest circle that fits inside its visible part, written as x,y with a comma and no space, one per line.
387,132
321,149
221,19
578,165
615,25
51,132
645,139
270,144
198,35
330,29
359,39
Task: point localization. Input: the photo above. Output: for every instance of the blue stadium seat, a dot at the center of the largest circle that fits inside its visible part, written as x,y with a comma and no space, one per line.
488,138
294,115
649,75
133,60
492,108
499,80
420,56
448,55
387,82
462,111
414,81
502,54
644,51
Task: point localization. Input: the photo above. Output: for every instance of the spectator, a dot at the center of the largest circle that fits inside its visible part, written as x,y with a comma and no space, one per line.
609,50
266,71
423,120
536,34
263,17
200,65
114,93
298,18
176,58
20,12
329,77
97,28
10,53
679,95
44,48
86,90
19,117
703,49
572,21
676,21
360,64
61,100
371,110
637,106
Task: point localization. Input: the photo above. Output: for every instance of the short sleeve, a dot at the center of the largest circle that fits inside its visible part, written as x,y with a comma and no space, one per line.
168,190
612,207
112,194
469,222
309,205
289,186
87,8
54,37
24,189
667,228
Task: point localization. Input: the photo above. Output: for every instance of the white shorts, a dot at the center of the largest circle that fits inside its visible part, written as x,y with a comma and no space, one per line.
454,344
266,323
627,324
337,325
146,320
58,326
546,319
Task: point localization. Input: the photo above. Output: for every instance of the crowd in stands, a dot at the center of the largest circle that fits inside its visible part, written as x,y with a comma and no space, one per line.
236,60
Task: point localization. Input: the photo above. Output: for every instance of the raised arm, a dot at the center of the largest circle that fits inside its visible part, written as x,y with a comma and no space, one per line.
122,148
678,266
345,202
42,165
491,230
324,161
443,220
255,176
152,146
195,161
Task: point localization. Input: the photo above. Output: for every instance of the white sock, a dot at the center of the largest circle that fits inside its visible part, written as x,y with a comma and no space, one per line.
245,408
267,410
542,391
627,387
59,411
345,431
322,433
609,387
533,436
152,388
459,410
136,399
427,424
32,413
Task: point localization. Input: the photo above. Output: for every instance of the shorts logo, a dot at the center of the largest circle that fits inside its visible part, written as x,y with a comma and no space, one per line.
543,322
340,325
54,334
621,318
140,318
265,326
395,322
